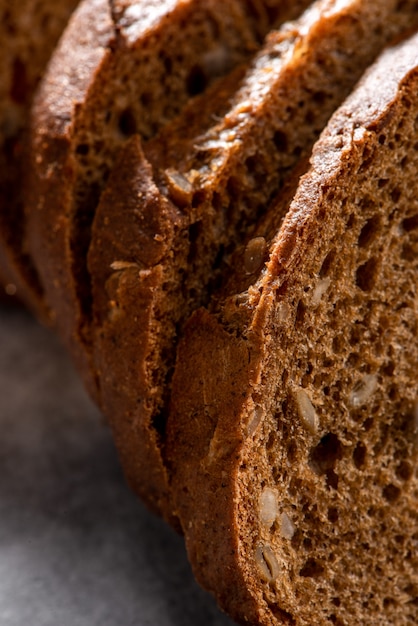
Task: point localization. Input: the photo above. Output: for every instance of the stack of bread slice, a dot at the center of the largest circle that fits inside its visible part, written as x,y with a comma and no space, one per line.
160,246
122,68
224,232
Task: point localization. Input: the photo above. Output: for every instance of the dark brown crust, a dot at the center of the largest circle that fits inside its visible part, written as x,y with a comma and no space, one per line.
124,262
83,52
213,380
207,490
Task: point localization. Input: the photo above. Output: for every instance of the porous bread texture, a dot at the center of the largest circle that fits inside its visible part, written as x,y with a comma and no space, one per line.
215,168
293,437
122,68
29,31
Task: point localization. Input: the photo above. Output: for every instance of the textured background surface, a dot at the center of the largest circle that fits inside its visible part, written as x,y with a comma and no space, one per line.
76,548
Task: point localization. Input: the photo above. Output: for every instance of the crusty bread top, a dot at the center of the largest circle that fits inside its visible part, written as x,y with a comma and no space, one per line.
292,437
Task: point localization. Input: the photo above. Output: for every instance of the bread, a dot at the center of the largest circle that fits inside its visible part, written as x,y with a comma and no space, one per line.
122,68
293,432
162,237
29,31
250,334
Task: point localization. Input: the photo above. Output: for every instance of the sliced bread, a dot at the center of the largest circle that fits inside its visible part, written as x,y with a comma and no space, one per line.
122,68
162,236
292,438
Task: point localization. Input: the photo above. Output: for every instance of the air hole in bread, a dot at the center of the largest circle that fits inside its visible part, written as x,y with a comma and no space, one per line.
280,141
271,441
367,158
312,569
333,515
366,275
395,195
359,455
83,149
196,81
195,230
368,424
325,455
167,62
389,603
410,223
404,471
382,182
369,231
327,264
353,359
297,151
393,392
256,168
391,493
307,544
388,369
300,313
350,221
320,97
127,123
145,98
331,479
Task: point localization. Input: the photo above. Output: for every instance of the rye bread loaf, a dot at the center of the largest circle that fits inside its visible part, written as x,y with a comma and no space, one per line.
161,236
293,431
122,68
29,31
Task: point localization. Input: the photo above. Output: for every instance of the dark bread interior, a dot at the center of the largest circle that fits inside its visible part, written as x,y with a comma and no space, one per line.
293,432
162,238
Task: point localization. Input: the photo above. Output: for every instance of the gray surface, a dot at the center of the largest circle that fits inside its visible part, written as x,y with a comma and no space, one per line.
76,548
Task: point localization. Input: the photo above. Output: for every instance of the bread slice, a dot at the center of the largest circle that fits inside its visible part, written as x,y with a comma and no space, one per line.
160,236
28,31
293,432
123,68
